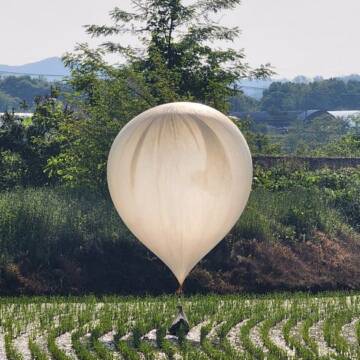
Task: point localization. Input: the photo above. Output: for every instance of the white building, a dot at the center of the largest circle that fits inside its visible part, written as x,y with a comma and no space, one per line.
20,115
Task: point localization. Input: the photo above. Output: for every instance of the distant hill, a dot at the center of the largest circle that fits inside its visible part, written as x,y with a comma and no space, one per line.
255,88
15,89
51,68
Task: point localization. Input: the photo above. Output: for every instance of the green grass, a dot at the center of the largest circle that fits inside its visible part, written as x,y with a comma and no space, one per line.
44,222
289,216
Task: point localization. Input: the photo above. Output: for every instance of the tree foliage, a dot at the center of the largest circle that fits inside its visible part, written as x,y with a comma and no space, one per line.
175,62
17,91
103,100
307,137
332,94
177,59
27,144
244,103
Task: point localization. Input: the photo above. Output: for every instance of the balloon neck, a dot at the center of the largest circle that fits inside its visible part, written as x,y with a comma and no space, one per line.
180,290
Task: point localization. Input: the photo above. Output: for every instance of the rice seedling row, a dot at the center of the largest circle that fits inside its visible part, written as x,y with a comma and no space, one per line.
280,326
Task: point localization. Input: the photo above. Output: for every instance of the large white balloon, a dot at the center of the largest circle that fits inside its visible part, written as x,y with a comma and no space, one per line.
180,175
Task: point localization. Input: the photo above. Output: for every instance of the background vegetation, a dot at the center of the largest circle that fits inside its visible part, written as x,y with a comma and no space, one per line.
318,94
19,93
332,94
299,232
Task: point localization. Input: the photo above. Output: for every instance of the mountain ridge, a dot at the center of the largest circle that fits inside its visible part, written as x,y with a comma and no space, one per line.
50,67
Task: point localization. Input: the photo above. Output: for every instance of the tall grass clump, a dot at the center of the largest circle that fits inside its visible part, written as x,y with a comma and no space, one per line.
40,222
287,215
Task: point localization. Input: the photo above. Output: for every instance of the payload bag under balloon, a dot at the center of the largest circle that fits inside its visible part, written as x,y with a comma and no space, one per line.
180,176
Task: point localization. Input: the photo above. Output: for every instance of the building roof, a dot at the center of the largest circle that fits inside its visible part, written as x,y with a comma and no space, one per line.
311,114
345,114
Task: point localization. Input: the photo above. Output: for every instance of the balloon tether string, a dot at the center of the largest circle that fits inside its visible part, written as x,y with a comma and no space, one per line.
180,291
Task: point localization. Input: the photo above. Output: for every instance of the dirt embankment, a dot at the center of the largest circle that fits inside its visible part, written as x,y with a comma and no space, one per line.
321,264
324,263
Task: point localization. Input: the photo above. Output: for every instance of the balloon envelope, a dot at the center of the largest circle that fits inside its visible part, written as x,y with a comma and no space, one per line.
180,175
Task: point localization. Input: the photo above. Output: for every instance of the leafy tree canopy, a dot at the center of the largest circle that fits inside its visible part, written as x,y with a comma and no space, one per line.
27,144
176,61
332,94
177,58
19,92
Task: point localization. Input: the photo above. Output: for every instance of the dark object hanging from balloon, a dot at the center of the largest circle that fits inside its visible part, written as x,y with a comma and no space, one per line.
181,324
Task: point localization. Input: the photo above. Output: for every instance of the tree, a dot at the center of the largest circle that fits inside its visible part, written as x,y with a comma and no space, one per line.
27,144
306,137
21,89
244,103
103,100
12,169
175,63
23,105
345,145
7,102
177,60
331,94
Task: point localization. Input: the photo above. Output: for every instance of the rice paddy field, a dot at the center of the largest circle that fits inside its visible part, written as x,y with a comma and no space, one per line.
284,326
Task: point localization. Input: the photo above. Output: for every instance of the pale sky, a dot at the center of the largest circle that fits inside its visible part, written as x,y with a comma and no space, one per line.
308,37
